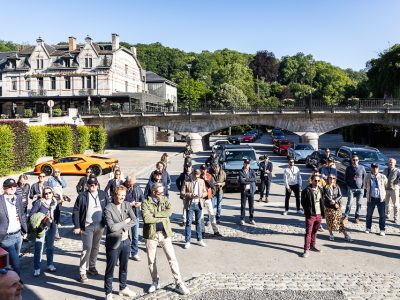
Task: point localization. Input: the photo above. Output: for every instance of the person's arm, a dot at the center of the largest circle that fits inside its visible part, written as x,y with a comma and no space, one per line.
147,190
35,207
108,186
222,176
165,210
116,226
79,186
303,198
242,178
185,194
32,192
252,177
149,216
285,179
203,192
299,179
63,182
76,211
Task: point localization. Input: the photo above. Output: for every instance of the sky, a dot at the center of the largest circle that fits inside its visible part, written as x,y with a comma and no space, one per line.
345,33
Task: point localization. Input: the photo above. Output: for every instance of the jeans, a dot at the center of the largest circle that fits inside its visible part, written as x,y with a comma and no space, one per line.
296,190
113,255
48,240
217,204
358,193
381,211
246,195
12,244
194,209
312,225
265,184
135,238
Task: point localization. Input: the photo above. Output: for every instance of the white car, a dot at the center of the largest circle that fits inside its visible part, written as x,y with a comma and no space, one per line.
299,152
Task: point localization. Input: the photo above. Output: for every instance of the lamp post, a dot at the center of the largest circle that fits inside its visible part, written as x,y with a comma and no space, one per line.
190,98
302,80
88,103
205,93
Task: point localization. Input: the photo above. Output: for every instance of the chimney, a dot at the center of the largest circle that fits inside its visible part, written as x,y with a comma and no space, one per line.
115,41
39,41
88,39
71,43
133,50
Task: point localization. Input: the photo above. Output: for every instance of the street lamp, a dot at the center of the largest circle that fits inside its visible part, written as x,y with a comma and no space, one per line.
88,103
304,75
205,92
190,98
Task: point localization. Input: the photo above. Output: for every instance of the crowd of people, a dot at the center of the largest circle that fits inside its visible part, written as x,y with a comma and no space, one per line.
116,211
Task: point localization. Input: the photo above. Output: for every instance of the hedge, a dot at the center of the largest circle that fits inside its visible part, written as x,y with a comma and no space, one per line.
21,143
57,112
59,141
7,155
37,143
83,138
98,138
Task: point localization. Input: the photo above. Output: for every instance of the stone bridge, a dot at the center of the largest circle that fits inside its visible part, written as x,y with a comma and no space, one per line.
197,126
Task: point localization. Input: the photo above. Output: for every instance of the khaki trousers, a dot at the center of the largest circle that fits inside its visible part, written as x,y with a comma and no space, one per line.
166,244
208,208
91,237
392,199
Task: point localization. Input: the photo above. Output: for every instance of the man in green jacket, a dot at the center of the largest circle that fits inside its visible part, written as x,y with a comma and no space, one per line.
156,210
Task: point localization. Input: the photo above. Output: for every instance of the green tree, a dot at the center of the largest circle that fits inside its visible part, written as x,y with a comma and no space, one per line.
6,46
265,65
228,95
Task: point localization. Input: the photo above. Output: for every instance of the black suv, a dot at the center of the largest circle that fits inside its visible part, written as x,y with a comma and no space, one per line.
367,156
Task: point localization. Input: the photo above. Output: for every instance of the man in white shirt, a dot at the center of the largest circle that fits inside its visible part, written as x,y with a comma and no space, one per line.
293,183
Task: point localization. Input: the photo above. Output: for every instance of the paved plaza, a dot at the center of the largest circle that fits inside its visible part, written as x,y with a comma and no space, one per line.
248,262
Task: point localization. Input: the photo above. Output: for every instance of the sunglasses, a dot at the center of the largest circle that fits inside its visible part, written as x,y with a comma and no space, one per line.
88,172
48,193
317,180
56,171
356,159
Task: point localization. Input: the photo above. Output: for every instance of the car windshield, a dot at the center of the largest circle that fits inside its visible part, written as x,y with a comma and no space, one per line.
370,156
240,155
303,147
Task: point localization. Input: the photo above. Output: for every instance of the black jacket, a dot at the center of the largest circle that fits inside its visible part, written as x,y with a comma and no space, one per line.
80,208
263,168
245,179
307,202
111,185
332,194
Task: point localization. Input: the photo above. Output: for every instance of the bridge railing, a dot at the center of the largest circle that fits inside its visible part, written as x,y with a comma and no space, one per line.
288,105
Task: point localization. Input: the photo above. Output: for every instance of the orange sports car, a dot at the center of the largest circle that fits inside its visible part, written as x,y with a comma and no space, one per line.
77,165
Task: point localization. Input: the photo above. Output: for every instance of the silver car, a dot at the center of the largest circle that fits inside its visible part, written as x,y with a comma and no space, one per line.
299,152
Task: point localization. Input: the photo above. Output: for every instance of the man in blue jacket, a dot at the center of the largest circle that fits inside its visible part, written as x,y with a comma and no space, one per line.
354,178
247,179
12,222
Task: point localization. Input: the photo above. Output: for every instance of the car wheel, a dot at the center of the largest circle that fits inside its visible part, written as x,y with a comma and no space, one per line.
47,169
96,169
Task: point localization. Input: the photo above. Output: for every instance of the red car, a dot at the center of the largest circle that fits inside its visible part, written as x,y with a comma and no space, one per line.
248,138
281,146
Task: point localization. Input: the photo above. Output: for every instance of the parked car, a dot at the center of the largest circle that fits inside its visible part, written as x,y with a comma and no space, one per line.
367,156
234,140
281,147
232,158
276,131
314,159
299,152
248,138
278,137
257,132
77,165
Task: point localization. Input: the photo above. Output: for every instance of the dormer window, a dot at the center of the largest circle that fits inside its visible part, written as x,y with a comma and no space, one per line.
67,62
13,64
88,62
39,63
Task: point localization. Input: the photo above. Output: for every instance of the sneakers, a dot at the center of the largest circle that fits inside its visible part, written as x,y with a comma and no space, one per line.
135,257
51,268
285,213
300,212
182,289
109,296
241,222
348,238
252,222
315,249
187,245
331,237
182,224
217,234
36,273
127,292
201,243
305,254
266,200
154,286
382,233
321,229
367,231
93,271
83,278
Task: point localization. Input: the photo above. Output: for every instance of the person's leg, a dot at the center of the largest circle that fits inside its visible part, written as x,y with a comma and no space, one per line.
396,205
112,258
97,234
358,196
262,187
123,263
309,227
188,228
287,197
211,214
198,213
151,246
267,187
316,225
250,198
219,206
388,202
370,211
382,217
37,256
87,241
296,191
135,238
50,238
349,202
242,205
173,262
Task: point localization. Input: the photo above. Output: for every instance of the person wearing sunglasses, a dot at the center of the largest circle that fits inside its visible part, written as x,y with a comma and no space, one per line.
23,190
82,184
36,190
11,285
314,210
333,208
46,214
354,178
113,183
87,217
12,222
156,211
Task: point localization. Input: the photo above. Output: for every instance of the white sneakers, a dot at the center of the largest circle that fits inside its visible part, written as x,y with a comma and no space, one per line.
382,233
285,213
367,231
154,286
36,273
187,245
201,243
127,292
331,237
182,289
51,268
109,297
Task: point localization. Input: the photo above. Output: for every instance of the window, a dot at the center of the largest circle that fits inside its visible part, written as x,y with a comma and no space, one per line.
40,83
67,82
39,63
67,62
27,84
14,85
83,82
88,62
126,86
89,82
53,83
94,81
1,91
1,76
126,69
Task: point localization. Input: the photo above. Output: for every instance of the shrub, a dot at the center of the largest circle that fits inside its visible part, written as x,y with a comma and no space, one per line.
57,112
21,143
59,141
115,106
28,113
83,138
95,110
37,143
7,155
98,138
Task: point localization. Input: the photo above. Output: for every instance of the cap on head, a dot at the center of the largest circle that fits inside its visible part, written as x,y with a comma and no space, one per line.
9,182
157,172
374,165
203,167
92,180
246,161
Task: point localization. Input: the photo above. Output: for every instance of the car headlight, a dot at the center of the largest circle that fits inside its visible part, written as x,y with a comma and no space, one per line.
297,153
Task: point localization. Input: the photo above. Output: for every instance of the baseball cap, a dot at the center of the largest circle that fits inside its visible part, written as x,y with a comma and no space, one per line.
157,172
92,180
247,161
203,167
374,165
9,182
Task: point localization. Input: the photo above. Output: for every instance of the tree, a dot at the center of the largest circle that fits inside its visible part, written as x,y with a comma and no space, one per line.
229,96
265,65
6,46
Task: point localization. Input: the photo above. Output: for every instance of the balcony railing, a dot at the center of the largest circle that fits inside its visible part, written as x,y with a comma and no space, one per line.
38,92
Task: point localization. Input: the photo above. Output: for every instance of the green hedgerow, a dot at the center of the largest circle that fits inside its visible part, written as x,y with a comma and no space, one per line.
59,141
98,138
7,155
37,143
83,138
